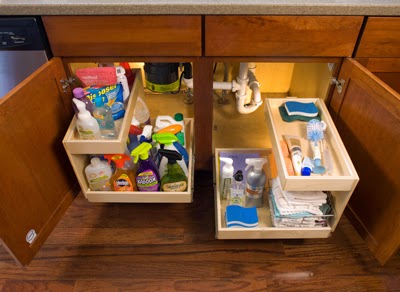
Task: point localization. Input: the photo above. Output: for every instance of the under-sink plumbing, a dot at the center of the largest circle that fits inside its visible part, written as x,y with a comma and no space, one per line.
245,81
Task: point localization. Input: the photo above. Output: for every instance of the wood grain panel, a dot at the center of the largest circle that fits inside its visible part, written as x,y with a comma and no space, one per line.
369,124
124,35
381,38
281,35
37,181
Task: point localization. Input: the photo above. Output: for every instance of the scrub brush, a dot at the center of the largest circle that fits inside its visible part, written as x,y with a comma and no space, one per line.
315,133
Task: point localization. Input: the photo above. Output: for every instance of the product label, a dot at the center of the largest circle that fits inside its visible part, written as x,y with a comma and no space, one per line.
179,186
98,116
237,197
254,192
147,181
123,184
86,134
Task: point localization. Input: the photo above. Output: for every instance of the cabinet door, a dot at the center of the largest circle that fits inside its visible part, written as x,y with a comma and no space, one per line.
368,120
37,181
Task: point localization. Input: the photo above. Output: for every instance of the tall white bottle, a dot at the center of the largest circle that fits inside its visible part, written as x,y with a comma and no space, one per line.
226,177
121,79
86,125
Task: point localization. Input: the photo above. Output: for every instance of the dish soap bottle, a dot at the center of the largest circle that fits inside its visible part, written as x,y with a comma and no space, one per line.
80,95
175,179
123,179
237,190
87,126
98,174
147,177
255,181
102,113
226,177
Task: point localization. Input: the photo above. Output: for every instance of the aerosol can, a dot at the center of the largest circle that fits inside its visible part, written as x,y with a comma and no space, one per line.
255,182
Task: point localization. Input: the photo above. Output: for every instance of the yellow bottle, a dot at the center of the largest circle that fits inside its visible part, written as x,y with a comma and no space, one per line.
123,179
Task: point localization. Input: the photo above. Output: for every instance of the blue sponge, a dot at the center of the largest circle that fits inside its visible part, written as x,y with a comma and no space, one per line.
238,216
307,109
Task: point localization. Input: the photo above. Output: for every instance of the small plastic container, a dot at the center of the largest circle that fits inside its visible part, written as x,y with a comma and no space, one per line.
142,113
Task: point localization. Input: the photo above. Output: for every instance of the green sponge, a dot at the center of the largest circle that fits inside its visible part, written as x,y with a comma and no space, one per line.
289,119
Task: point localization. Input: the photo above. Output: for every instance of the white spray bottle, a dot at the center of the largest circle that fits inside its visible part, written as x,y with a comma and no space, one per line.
87,126
226,177
121,79
255,181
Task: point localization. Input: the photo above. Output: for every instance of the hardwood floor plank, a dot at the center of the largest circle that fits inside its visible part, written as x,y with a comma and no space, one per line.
62,286
172,247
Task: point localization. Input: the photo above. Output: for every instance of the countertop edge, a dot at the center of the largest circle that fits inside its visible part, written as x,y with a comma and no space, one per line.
157,9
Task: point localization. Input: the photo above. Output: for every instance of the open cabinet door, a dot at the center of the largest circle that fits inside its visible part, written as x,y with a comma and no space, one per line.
367,115
37,181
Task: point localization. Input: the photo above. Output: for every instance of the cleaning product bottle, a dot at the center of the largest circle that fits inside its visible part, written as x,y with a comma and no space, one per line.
121,79
123,179
87,126
178,117
175,179
98,174
170,142
128,73
255,181
226,177
133,137
80,95
147,177
165,121
237,190
102,113
141,112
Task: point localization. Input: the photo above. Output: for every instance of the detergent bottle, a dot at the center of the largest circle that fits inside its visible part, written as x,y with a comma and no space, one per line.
169,141
147,177
123,179
165,121
255,181
98,174
175,179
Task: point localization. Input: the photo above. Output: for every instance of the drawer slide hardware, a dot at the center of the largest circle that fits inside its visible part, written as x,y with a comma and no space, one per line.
338,84
66,83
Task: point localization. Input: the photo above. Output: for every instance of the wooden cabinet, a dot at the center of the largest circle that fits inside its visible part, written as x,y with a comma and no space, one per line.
368,119
317,36
38,184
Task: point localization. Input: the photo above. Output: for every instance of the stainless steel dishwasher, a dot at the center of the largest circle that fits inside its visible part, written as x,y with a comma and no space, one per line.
23,49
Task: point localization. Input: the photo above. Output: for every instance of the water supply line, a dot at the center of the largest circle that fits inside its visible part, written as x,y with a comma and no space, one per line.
245,80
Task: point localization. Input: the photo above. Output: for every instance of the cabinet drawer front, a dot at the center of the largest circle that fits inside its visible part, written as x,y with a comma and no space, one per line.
124,35
381,38
281,35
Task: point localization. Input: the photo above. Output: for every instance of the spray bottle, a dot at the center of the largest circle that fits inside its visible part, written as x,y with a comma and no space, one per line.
255,181
148,177
123,179
121,79
237,191
175,179
226,177
87,126
170,142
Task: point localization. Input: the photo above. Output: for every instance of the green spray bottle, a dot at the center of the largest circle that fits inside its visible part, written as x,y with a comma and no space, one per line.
175,179
147,175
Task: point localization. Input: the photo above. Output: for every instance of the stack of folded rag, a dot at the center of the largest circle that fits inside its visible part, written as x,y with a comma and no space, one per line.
298,209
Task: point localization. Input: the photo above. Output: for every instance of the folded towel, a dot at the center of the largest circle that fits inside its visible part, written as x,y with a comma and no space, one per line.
306,195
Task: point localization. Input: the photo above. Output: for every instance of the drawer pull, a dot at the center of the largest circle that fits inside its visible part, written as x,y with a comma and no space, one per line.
338,84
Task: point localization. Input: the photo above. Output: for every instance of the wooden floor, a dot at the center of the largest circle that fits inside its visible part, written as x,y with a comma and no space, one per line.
172,247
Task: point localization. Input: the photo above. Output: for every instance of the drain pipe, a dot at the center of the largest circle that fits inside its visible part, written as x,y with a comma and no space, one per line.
246,78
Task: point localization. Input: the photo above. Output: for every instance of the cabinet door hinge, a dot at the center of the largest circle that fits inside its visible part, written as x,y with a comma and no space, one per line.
66,83
338,84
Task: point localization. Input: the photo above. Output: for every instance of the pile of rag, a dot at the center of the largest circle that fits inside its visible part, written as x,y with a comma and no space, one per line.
298,209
